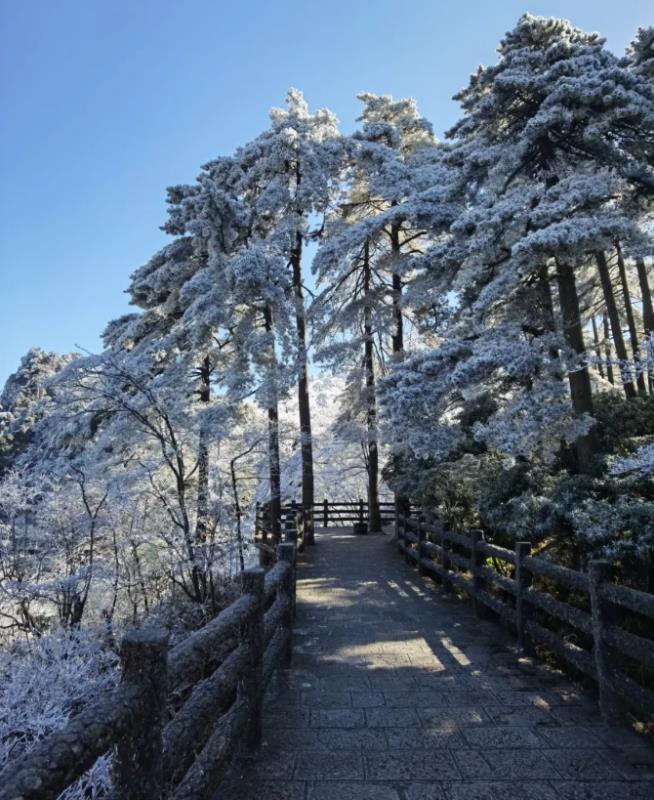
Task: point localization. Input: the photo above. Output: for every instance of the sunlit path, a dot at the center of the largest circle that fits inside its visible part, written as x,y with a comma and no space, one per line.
399,693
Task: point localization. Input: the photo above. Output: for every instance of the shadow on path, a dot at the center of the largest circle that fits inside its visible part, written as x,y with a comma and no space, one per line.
398,692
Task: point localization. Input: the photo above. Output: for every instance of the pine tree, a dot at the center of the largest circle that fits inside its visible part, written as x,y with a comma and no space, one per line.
365,260
289,174
544,149
239,300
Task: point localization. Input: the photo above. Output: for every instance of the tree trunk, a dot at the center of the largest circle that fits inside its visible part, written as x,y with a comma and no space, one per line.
402,503
202,515
580,391
275,507
616,330
648,308
303,387
596,342
239,515
607,349
398,333
631,323
374,518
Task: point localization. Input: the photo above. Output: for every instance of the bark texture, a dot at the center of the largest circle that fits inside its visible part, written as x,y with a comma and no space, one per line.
579,380
374,518
631,322
616,328
273,444
303,386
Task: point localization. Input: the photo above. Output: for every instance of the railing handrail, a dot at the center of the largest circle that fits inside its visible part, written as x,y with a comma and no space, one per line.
248,639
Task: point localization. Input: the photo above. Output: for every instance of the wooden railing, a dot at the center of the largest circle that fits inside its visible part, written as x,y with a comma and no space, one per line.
324,514
327,513
215,679
293,527
516,586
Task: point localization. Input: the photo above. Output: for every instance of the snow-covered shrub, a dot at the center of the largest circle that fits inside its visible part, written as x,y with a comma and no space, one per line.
43,683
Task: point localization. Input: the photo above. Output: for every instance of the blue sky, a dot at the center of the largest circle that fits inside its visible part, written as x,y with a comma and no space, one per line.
104,103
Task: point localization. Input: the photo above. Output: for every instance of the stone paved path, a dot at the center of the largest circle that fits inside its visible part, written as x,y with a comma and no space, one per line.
399,693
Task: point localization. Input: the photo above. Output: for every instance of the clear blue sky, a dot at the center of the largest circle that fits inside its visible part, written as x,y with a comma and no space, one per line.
104,103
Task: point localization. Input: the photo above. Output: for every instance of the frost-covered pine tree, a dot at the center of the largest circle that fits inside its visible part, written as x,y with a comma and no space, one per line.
157,332
261,332
547,173
289,175
239,301
365,259
640,59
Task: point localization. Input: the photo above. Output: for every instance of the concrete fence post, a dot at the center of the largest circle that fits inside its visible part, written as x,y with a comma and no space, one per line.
138,759
401,530
290,526
309,528
264,557
253,584
477,560
522,583
445,547
421,542
599,572
287,552
407,546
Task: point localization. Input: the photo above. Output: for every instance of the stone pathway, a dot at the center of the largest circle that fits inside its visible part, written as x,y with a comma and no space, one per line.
397,692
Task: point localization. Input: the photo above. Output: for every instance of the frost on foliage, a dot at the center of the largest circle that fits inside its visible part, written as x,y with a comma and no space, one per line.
524,428
366,256
45,681
417,414
426,395
26,399
544,177
638,465
289,171
640,53
623,529
339,466
553,113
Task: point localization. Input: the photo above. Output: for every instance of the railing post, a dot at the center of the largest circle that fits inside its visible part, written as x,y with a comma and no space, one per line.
477,559
138,760
599,572
522,583
290,526
361,520
286,552
309,533
252,584
407,547
421,549
445,546
325,513
264,558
